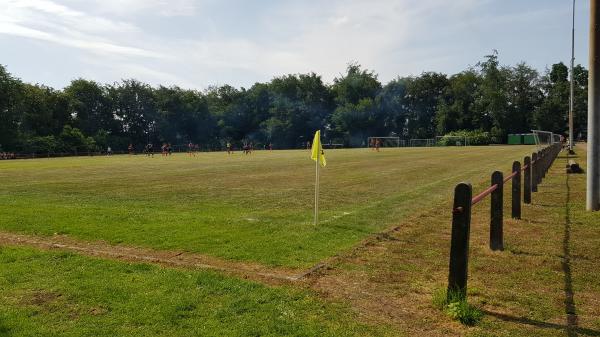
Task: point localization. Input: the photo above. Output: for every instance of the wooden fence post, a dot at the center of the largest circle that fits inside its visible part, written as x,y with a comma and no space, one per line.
545,161
540,167
527,180
459,244
496,212
516,191
534,169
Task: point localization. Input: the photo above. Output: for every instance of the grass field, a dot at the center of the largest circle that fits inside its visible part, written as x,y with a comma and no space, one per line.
544,284
64,294
249,208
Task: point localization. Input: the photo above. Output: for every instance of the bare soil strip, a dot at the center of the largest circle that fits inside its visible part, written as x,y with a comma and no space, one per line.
102,249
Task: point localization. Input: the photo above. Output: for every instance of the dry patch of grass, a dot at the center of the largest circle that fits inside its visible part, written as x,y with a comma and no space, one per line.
545,283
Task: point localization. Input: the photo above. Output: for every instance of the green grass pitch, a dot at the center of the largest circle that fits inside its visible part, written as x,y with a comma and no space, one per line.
256,207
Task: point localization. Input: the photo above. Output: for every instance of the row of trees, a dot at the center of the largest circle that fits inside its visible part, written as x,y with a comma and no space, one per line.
287,110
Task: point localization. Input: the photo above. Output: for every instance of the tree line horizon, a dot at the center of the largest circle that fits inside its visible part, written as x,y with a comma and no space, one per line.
486,99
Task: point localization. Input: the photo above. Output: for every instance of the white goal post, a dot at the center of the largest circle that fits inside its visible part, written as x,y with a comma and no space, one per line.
422,142
386,141
545,138
452,140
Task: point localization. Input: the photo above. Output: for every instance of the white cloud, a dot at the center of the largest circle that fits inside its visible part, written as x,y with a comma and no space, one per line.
51,22
200,42
136,7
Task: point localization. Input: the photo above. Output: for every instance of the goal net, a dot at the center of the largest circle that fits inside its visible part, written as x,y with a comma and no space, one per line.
545,138
452,141
422,142
385,142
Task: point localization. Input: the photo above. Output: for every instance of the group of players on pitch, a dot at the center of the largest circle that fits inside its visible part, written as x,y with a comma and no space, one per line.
166,149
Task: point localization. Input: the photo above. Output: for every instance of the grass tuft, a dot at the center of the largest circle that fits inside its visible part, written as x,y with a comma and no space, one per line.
456,306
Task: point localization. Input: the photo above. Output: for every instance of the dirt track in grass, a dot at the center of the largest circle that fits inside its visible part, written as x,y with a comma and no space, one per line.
101,249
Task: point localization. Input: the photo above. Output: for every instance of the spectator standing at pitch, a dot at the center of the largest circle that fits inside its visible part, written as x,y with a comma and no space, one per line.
109,151
229,148
169,149
377,144
130,149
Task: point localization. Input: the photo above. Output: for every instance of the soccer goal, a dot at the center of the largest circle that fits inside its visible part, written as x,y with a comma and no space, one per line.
452,141
424,142
545,138
386,141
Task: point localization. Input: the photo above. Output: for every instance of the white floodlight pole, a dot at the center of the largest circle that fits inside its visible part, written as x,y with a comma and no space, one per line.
593,145
571,97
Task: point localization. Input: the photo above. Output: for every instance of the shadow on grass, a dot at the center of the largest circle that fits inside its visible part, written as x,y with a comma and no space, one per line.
570,309
572,331
4,330
571,328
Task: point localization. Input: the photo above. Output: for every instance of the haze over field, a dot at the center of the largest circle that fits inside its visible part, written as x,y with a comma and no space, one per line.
198,43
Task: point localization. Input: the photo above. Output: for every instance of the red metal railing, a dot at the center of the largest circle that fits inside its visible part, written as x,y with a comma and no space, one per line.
483,194
492,188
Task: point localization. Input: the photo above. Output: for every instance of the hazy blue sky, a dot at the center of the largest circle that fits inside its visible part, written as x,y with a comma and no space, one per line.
194,44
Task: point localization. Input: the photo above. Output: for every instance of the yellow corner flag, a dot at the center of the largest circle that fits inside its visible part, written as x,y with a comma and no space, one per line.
318,156
317,153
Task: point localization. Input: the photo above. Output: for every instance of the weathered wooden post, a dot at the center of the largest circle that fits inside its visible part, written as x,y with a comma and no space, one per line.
459,244
545,161
527,180
534,169
516,191
540,167
496,212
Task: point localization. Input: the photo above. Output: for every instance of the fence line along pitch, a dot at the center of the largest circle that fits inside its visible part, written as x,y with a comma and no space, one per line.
532,172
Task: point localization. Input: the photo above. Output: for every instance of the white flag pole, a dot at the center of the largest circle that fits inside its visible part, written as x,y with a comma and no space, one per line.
317,191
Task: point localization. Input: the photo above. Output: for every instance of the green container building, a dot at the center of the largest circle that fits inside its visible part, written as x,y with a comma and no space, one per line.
529,139
521,139
515,139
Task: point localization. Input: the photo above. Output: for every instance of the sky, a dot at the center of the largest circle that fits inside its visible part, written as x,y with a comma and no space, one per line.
198,43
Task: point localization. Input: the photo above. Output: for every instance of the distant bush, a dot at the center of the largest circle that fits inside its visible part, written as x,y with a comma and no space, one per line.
73,140
475,137
46,144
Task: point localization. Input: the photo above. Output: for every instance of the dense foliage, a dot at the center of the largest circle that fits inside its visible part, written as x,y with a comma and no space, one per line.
488,98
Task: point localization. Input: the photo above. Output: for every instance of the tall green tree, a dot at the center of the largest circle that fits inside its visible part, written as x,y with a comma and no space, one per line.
89,107
456,109
524,95
44,111
10,94
183,116
134,105
581,101
392,103
356,116
551,114
493,102
300,105
357,84
424,94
